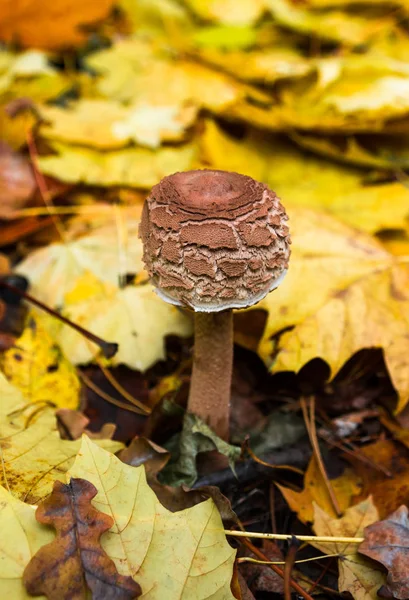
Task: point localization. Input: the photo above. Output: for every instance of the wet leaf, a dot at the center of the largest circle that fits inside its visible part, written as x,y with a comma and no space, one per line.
75,561
358,576
387,542
145,534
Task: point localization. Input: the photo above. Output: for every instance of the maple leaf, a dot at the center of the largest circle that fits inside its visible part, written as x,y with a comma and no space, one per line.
21,537
82,279
75,560
53,25
387,542
315,492
357,575
189,545
355,295
33,454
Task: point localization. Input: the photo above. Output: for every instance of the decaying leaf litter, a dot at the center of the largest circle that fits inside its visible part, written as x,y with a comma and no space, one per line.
99,101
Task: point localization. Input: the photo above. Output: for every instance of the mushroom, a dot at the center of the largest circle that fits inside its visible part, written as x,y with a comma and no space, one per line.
214,241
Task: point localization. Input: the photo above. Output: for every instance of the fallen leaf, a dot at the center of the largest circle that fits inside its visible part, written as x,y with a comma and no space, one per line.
145,534
52,26
75,561
233,12
357,575
354,296
17,183
388,482
37,367
33,454
21,538
334,25
345,487
72,424
135,167
106,125
196,437
387,542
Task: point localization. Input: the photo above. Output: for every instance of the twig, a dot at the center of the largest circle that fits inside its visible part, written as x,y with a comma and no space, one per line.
276,568
244,559
312,433
288,567
322,539
89,383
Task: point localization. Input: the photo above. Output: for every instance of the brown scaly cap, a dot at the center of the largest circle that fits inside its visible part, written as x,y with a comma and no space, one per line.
214,240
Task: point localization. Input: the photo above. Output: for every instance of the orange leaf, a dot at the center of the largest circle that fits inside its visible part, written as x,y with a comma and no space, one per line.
49,25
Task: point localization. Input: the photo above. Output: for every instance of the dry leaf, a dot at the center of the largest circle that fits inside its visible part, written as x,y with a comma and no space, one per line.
21,538
358,576
17,183
345,487
233,12
194,557
49,25
387,542
75,561
33,454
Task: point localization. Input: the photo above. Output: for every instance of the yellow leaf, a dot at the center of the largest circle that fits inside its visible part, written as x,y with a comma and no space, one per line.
33,454
37,367
189,545
230,12
304,180
105,124
136,72
110,251
359,576
345,487
51,25
83,279
21,538
133,317
135,167
332,25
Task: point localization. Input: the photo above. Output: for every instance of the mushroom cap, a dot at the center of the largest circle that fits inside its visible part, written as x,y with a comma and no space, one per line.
214,240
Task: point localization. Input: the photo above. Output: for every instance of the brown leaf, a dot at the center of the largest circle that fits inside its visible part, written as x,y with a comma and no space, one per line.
75,560
73,423
387,542
17,183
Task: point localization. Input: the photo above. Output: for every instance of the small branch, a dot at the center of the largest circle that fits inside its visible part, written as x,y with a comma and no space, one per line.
276,568
312,432
288,567
322,539
244,559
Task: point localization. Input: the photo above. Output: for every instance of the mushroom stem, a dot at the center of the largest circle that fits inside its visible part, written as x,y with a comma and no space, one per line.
210,387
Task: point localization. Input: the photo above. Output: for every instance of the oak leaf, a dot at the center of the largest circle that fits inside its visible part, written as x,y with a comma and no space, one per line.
49,25
33,454
358,576
75,561
189,545
387,542
315,492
